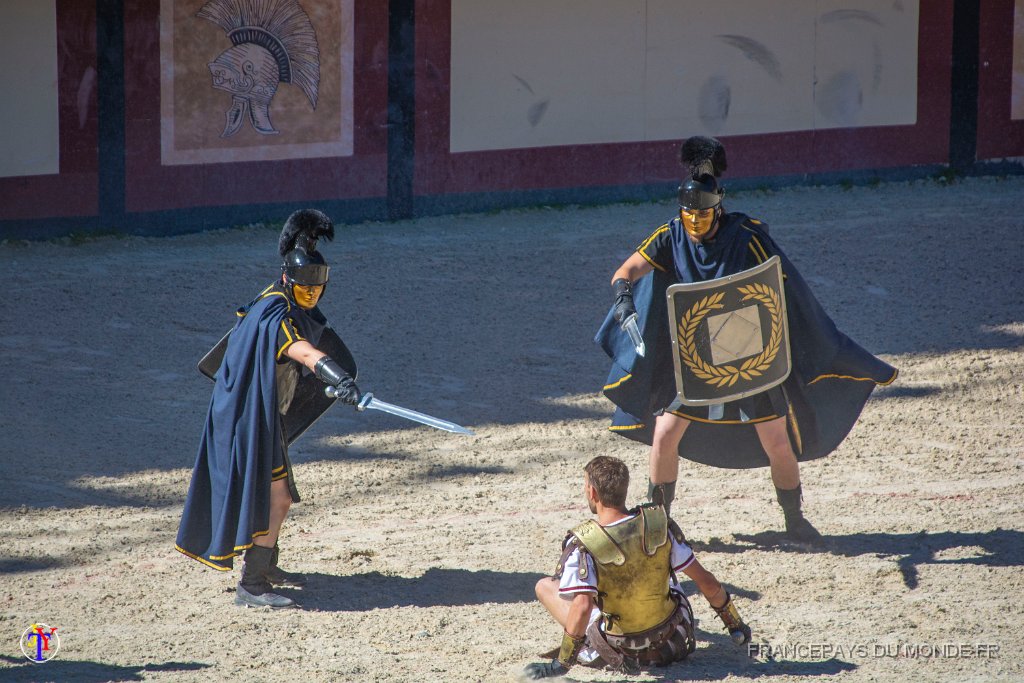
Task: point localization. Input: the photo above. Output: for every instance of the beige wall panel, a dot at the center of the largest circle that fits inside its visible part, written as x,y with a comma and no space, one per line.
29,117
729,68
194,114
866,63
567,72
535,73
1017,88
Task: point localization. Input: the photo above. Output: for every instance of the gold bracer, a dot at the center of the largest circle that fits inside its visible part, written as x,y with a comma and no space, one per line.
729,615
570,649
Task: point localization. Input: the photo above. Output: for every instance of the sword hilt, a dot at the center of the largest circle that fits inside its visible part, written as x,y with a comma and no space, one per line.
364,401
333,392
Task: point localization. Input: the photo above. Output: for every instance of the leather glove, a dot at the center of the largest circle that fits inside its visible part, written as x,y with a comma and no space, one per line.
348,392
329,372
624,306
540,670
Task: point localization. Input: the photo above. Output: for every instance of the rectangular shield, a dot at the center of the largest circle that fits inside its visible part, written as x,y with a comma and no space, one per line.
309,402
730,336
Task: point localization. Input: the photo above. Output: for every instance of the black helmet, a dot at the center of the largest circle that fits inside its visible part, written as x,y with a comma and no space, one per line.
302,264
704,159
702,192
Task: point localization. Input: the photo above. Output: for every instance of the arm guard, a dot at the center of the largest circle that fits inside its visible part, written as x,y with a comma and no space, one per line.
624,306
730,616
329,372
570,649
345,389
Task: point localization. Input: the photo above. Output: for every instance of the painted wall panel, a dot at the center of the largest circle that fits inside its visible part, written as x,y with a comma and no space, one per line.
794,87
29,117
67,185
546,72
172,163
211,111
566,72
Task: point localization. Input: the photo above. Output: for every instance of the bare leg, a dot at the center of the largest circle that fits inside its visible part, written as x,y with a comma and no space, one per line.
668,431
775,441
280,503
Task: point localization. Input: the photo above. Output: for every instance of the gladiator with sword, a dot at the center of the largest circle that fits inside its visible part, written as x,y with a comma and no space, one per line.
275,373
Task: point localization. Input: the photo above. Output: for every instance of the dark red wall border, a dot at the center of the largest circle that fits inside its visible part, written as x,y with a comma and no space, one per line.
73,190
151,187
998,135
440,172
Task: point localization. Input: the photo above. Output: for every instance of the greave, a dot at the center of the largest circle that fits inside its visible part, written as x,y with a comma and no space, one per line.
254,570
662,494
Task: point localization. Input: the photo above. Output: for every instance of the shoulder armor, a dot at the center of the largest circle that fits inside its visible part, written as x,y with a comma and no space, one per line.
655,527
598,543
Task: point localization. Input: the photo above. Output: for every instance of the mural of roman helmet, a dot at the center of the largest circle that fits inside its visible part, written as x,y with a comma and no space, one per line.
273,42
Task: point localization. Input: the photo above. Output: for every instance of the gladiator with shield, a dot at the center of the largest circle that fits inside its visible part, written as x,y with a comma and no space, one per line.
721,353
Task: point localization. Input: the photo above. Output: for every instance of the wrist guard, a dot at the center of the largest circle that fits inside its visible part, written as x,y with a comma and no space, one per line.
624,306
570,649
622,288
730,616
329,372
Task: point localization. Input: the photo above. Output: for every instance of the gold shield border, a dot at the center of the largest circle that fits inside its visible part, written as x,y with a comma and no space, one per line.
684,329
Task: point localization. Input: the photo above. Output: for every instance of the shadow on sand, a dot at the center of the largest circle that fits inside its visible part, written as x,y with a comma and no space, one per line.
996,548
436,587
83,671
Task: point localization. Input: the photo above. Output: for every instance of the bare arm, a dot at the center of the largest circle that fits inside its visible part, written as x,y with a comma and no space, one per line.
720,601
579,614
305,353
706,582
633,268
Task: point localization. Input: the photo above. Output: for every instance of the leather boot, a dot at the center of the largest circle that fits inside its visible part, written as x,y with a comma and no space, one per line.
797,526
253,589
279,577
662,494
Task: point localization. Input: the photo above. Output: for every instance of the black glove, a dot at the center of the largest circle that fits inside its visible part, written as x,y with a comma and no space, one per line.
329,372
623,300
347,392
539,670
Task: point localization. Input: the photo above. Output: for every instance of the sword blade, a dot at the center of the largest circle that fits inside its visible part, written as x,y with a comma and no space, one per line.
376,404
630,326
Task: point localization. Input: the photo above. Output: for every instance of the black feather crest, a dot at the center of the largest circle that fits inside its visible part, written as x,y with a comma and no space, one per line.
702,155
302,230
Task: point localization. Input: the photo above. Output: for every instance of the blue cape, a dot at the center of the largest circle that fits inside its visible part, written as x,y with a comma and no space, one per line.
228,501
831,379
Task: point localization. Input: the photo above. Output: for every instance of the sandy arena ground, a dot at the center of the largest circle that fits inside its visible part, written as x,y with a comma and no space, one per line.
423,547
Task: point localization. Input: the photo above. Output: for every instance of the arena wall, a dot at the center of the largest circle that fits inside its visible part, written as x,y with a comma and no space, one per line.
122,115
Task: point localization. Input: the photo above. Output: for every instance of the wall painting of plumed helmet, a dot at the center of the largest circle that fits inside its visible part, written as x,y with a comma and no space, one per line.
255,80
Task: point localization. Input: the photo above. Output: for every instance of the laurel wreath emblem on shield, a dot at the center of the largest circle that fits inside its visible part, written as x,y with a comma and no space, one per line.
728,375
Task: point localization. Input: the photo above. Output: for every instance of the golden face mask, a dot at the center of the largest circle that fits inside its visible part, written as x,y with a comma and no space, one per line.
306,296
697,223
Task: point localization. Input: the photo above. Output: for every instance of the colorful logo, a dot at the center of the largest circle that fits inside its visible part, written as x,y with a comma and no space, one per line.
40,643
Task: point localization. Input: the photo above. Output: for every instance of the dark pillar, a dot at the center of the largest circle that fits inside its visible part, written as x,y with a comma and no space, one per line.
401,107
963,128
